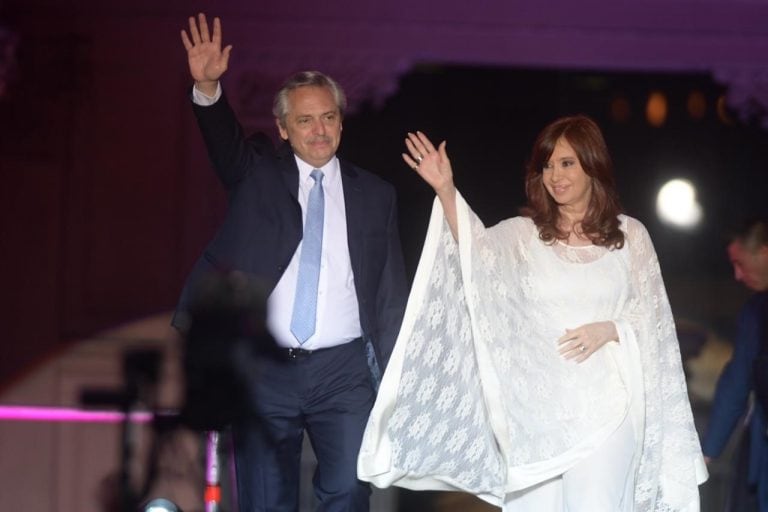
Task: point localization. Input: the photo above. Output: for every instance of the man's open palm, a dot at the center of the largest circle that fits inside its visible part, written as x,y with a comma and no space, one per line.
207,61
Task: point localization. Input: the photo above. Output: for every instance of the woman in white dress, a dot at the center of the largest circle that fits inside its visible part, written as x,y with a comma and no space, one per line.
538,366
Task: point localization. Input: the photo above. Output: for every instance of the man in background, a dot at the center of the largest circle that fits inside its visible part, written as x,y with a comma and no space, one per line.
748,252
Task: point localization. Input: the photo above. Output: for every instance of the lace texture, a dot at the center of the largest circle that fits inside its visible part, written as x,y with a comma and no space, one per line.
476,396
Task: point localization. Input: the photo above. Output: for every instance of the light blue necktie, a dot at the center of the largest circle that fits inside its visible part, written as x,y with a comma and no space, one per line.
305,302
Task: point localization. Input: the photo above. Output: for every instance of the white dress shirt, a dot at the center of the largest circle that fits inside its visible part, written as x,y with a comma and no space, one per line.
338,317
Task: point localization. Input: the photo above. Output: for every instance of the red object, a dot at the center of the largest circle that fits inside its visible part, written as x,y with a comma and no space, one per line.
212,493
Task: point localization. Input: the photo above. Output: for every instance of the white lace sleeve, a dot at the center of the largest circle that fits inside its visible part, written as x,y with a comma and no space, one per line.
429,425
671,465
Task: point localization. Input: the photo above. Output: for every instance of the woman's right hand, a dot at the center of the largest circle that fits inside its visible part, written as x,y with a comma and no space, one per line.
432,165
435,168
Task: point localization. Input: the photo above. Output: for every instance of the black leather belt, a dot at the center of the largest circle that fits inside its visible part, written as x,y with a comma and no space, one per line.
297,354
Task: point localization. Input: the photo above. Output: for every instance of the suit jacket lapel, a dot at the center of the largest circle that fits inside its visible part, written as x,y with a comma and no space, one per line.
290,174
353,206
289,170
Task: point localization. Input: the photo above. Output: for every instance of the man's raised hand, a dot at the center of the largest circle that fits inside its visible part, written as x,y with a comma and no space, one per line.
207,61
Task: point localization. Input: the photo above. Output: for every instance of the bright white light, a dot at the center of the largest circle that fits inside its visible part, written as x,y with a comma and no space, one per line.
160,505
676,204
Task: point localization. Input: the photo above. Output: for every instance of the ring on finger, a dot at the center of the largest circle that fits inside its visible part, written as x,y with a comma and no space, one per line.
419,158
582,348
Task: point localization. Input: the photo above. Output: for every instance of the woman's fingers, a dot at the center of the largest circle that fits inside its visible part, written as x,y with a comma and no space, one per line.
572,345
410,162
421,150
415,153
421,144
442,151
415,147
578,352
428,147
569,335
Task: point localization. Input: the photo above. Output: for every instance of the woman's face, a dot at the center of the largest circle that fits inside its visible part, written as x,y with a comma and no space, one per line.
564,179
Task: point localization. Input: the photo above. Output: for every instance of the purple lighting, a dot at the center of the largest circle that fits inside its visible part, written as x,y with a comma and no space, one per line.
63,414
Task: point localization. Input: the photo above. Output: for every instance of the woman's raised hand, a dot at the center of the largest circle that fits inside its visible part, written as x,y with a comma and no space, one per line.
432,164
435,168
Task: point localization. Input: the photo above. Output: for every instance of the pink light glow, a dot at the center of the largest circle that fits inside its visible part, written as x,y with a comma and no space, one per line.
63,414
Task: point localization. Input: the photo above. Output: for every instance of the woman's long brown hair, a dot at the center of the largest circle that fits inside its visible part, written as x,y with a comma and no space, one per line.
600,223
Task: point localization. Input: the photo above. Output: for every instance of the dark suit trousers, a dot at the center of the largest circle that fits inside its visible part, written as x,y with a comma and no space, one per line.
329,395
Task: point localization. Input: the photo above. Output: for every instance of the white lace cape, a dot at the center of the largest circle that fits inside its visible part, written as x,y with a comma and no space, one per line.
476,399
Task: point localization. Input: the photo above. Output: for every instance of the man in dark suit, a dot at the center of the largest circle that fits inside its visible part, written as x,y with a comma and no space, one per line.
748,252
322,235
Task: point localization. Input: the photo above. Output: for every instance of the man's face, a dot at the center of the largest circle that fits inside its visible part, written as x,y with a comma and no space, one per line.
750,267
312,124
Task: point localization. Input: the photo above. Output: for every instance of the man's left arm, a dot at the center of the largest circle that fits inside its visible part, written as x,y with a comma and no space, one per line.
734,385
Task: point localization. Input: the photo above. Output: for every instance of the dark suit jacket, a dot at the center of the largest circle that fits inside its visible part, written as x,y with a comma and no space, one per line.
733,389
263,224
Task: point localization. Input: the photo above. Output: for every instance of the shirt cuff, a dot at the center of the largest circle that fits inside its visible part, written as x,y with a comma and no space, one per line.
204,100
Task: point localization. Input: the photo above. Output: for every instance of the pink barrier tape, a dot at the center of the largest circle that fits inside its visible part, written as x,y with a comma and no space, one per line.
63,414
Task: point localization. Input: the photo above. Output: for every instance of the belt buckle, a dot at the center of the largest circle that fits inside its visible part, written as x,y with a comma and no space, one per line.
295,353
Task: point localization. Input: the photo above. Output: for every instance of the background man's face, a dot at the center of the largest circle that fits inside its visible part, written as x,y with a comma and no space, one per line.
750,267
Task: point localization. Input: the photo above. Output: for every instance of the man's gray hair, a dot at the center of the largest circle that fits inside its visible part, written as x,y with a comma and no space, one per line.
304,79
